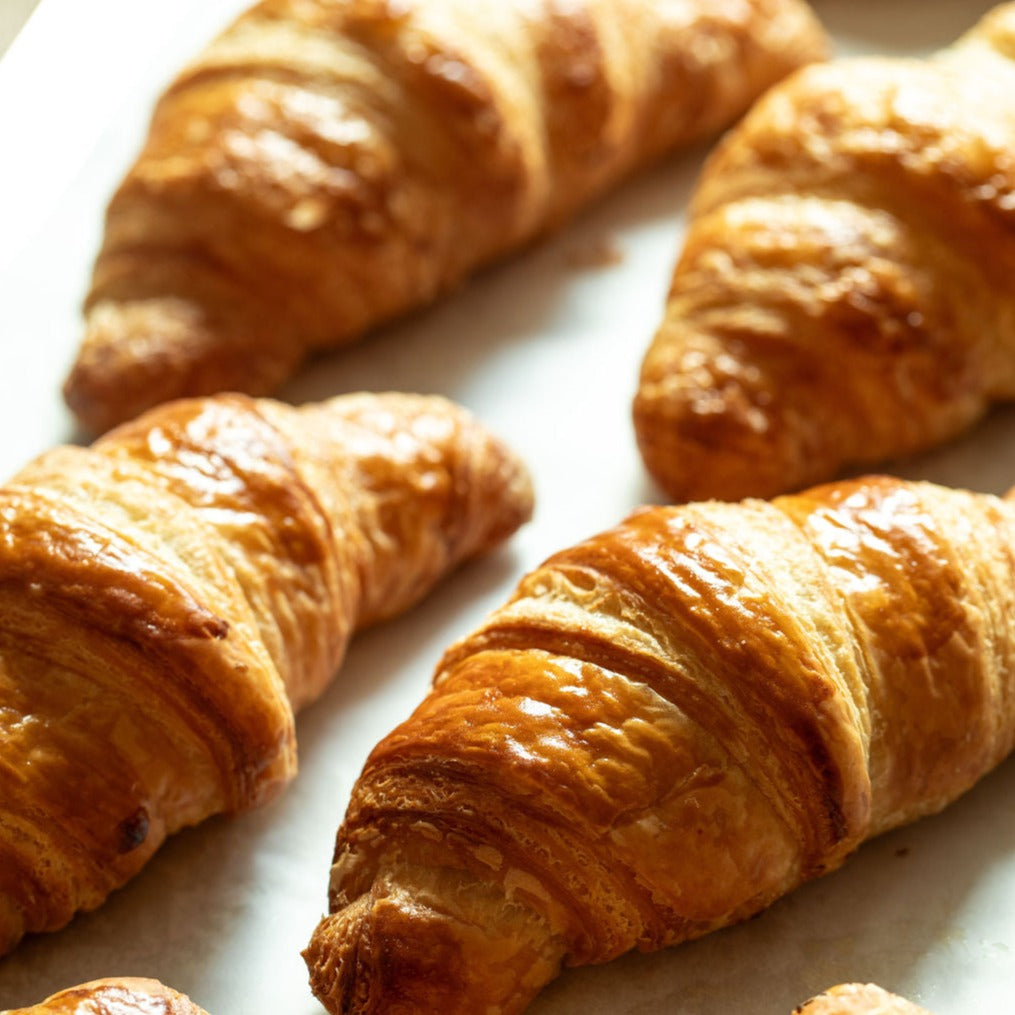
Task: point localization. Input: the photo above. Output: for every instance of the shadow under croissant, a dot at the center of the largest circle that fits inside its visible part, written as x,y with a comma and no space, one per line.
902,26
425,352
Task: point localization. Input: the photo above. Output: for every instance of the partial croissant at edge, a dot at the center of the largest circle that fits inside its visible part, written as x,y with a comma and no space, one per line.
172,595
666,728
129,995
323,167
121,996
844,294
858,999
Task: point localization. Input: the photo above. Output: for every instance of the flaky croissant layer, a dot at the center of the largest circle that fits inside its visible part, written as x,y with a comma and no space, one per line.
171,595
326,165
844,294
667,727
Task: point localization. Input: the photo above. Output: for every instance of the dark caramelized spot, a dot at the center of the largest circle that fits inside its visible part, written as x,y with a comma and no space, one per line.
133,830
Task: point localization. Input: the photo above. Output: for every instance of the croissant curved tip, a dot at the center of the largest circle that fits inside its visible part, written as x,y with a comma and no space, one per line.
139,353
707,455
132,357
387,952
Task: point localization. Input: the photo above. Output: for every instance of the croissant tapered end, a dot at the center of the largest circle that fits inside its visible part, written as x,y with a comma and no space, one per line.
112,379
125,996
858,999
140,351
455,950
832,307
323,168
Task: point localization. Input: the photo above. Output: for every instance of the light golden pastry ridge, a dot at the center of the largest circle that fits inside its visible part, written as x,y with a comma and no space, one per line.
327,165
172,595
844,293
666,728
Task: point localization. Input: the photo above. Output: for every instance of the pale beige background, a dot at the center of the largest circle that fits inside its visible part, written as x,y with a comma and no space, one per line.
13,14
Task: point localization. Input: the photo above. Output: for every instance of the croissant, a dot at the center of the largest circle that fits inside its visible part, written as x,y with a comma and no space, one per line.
327,165
666,728
858,999
170,596
115,997
844,294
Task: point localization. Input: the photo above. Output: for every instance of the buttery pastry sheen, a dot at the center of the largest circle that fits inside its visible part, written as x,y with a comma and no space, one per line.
844,295
171,595
326,165
666,728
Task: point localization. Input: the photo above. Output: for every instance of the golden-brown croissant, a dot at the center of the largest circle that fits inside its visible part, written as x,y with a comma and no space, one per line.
171,595
858,999
326,165
666,728
844,296
125,996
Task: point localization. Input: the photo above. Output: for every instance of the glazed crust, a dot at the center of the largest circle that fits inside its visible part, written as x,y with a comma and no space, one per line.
172,595
844,294
668,727
124,996
858,999
325,166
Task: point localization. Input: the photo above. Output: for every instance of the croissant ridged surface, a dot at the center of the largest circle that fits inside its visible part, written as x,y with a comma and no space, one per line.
171,595
667,727
327,165
858,999
844,295
124,996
